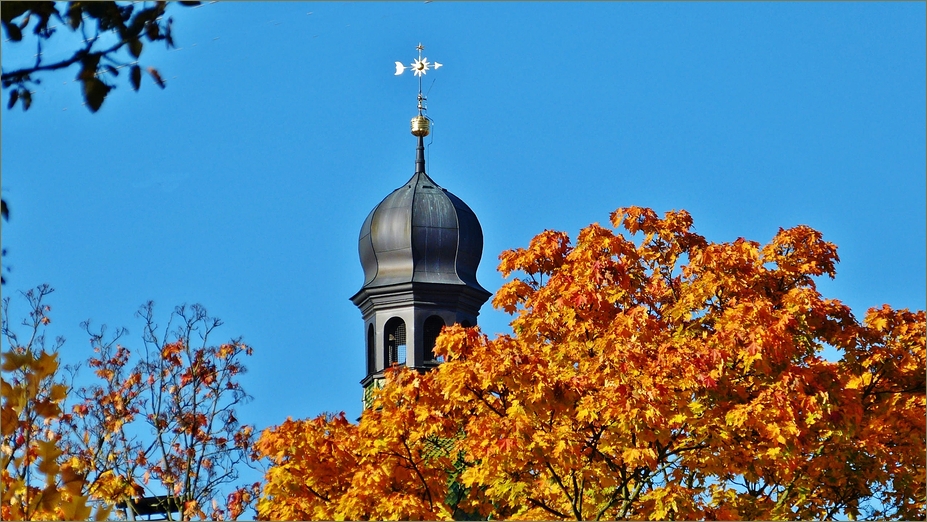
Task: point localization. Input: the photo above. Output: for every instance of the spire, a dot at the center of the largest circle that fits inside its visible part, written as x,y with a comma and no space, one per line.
420,156
421,124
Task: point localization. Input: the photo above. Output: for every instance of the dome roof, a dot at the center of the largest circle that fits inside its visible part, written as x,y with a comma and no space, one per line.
421,233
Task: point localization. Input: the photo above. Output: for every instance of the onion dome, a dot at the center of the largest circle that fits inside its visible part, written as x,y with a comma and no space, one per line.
421,233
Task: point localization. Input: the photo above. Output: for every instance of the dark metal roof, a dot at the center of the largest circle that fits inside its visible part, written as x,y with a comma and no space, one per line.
421,233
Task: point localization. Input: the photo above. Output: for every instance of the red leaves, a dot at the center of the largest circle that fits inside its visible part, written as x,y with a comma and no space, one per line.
171,352
156,76
507,445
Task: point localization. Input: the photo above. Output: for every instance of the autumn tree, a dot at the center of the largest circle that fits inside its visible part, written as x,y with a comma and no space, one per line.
158,427
164,425
37,483
106,30
651,374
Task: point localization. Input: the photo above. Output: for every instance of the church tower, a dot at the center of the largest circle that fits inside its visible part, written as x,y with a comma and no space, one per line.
420,248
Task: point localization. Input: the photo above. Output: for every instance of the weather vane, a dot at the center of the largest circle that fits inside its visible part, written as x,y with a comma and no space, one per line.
419,67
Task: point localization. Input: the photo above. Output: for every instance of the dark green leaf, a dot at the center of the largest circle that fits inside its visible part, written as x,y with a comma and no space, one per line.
4,210
126,12
167,33
27,99
151,30
13,97
190,4
89,65
13,31
95,92
112,70
13,10
96,9
142,18
135,76
74,15
135,47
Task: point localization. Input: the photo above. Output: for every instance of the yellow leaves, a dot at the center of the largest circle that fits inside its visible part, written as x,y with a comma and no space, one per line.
859,381
669,502
45,365
48,453
72,480
697,407
511,295
41,365
327,476
775,433
8,419
802,250
634,219
544,254
878,319
14,360
736,417
631,455
47,409
586,414
58,392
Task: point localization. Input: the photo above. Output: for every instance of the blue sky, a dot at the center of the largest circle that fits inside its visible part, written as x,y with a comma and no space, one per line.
243,185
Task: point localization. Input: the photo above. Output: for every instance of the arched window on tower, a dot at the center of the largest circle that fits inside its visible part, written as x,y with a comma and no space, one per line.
432,329
395,341
371,351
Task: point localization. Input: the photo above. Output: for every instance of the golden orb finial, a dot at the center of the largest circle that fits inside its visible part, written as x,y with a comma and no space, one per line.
420,126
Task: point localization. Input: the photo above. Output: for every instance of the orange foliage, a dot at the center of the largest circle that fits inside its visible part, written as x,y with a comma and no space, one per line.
57,462
650,375
184,393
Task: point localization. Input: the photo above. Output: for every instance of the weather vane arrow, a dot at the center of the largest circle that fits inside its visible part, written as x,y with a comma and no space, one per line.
420,66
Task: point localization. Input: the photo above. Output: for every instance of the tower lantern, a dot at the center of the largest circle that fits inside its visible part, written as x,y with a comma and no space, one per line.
420,248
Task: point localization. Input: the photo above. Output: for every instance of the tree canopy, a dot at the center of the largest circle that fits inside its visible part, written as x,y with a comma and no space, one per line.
650,374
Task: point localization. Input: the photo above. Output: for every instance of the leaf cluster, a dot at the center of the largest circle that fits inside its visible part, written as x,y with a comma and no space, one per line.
106,29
